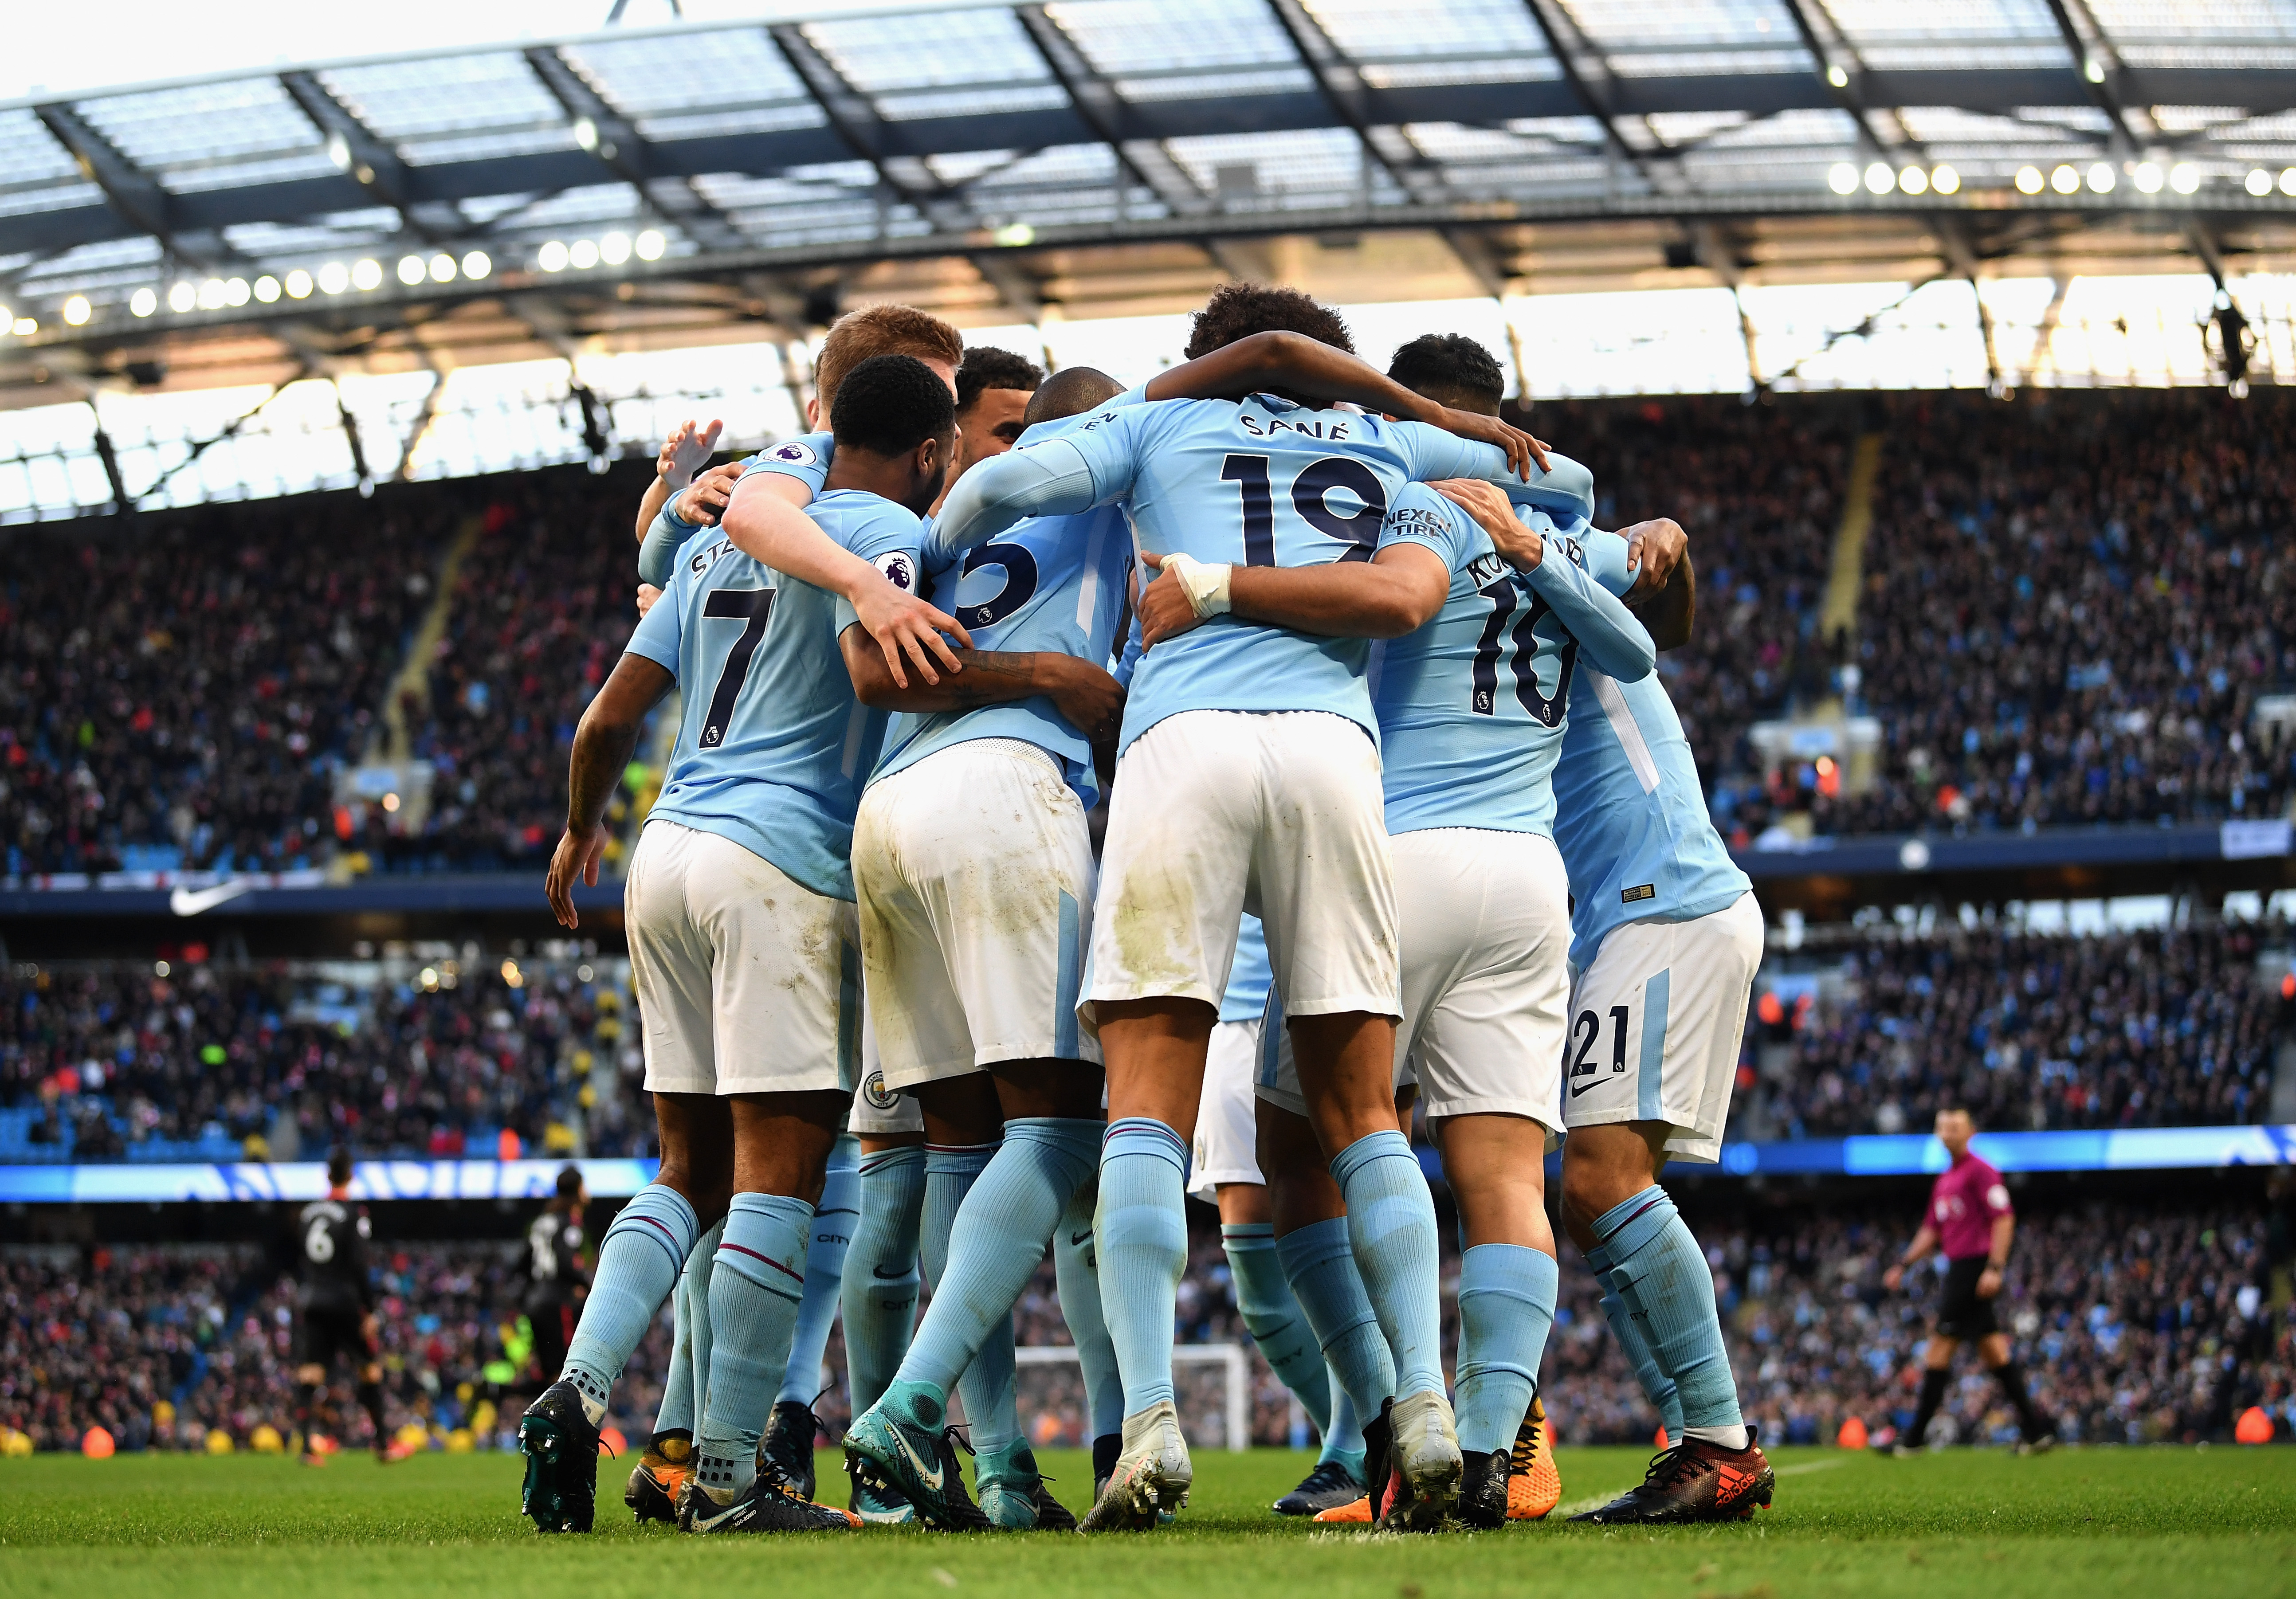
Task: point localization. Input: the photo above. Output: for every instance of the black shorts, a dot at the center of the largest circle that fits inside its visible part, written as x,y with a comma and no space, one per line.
322,1333
1962,1315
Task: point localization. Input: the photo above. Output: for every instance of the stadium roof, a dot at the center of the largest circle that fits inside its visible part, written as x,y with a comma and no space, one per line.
662,186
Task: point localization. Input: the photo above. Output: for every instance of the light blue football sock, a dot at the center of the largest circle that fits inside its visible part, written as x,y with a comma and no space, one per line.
1661,1273
1263,1298
755,1289
991,1415
834,1217
1345,1441
1658,1388
995,1247
1076,1270
675,1412
1143,1230
1506,1307
639,1260
1320,1263
1392,1223
879,1300
687,1380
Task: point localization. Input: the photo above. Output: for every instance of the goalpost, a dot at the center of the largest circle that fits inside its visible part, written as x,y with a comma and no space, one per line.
1228,1362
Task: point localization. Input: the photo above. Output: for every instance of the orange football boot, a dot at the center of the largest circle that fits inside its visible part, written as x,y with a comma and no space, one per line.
1534,1485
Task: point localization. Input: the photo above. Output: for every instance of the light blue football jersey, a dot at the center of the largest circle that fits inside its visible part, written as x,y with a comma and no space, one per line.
1631,818
1471,705
773,747
807,458
1251,978
1266,482
1057,584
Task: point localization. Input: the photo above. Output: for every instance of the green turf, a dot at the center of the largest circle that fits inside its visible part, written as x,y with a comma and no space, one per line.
2203,1522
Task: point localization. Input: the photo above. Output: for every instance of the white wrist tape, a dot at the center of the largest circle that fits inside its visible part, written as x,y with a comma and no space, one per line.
1205,583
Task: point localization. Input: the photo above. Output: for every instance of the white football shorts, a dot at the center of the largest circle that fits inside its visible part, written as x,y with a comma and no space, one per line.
975,876
1485,918
879,1111
748,982
1220,812
1657,1020
1227,1147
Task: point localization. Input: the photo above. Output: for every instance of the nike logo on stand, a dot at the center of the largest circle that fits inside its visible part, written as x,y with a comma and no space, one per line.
190,902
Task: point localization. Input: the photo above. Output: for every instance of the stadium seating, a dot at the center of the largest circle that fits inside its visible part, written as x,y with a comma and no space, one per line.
2072,607
111,1062
177,691
2027,1030
2139,1321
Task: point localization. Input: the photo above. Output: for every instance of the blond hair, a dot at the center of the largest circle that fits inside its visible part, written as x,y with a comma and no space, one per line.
880,331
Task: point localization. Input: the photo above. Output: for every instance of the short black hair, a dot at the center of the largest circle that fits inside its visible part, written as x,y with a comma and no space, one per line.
888,405
570,1183
338,1166
1068,392
984,366
1452,370
1239,311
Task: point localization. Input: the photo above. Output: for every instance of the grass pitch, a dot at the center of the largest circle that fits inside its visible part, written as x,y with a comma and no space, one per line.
2086,1522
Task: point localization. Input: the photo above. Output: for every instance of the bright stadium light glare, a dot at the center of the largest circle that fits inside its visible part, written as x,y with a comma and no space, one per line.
182,297
2259,182
442,269
410,270
339,151
1945,180
1837,77
585,133
367,273
1841,177
266,289
212,293
614,249
649,245
76,310
2149,177
584,255
2288,180
1880,179
551,256
299,284
238,292
2064,180
2095,70
334,277
477,264
2184,177
2101,177
1913,180
24,327
2028,180
143,302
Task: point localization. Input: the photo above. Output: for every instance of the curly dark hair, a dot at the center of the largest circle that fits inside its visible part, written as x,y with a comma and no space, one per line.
888,405
984,366
1452,370
1239,311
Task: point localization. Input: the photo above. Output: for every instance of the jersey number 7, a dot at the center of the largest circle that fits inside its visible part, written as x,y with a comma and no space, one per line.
753,606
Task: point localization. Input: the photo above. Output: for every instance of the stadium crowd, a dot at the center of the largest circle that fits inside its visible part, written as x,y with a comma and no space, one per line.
2072,605
1758,490
2071,608
2027,1030
122,1061
179,695
2138,1322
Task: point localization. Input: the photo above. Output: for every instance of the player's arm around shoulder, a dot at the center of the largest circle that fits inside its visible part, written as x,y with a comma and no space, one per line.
1391,595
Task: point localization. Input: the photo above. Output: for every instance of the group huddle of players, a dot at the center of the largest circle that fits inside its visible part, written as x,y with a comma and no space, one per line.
896,1004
